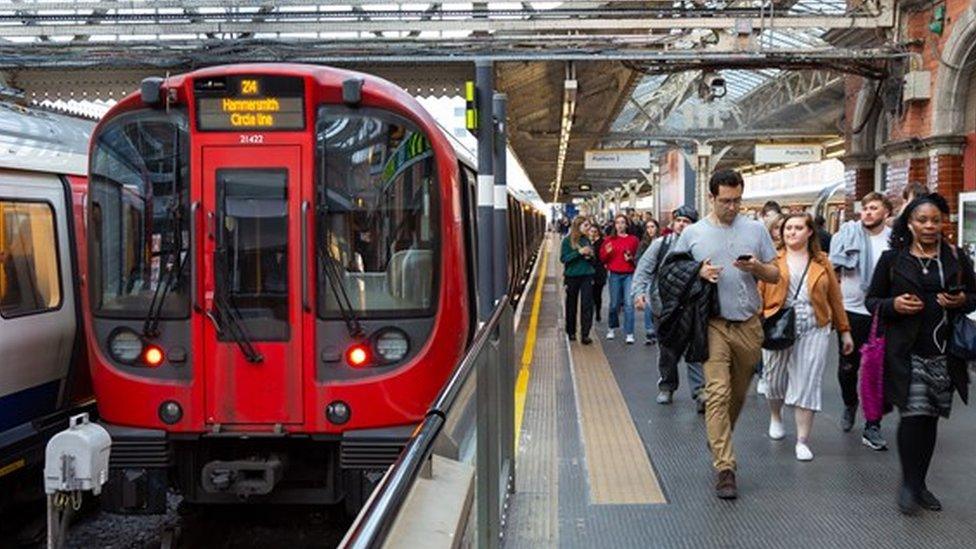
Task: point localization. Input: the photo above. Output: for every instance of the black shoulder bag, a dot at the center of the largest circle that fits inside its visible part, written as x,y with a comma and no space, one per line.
779,330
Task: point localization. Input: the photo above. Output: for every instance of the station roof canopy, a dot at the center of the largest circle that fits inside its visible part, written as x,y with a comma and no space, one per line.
578,74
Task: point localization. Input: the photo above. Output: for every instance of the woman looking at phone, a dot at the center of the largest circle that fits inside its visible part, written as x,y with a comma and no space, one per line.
619,254
920,288
575,254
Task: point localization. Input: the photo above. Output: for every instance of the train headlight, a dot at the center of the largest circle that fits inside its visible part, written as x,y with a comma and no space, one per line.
153,356
358,355
337,412
170,412
125,345
392,345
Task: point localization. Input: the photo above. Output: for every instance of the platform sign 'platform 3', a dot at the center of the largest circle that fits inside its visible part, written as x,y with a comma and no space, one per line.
250,103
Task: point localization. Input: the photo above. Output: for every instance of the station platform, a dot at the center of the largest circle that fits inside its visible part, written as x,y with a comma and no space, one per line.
600,464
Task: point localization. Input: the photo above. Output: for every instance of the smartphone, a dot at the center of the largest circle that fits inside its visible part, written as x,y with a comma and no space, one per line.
744,257
955,289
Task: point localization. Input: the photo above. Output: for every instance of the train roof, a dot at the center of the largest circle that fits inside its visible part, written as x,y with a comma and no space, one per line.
37,140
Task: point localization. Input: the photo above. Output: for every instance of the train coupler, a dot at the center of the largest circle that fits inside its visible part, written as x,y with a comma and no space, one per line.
244,478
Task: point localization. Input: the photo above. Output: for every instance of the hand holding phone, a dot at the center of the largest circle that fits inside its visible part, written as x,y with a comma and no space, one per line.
744,257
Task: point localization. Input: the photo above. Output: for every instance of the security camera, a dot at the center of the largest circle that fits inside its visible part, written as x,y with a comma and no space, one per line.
712,86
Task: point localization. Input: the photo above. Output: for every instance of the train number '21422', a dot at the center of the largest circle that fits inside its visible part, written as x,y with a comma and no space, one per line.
251,139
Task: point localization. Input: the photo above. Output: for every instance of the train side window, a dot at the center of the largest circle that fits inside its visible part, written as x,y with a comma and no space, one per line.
30,278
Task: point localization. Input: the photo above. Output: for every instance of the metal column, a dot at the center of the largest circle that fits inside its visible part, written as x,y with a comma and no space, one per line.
484,83
500,259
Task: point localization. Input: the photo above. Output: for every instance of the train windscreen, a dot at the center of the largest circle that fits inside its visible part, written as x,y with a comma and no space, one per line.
376,224
139,216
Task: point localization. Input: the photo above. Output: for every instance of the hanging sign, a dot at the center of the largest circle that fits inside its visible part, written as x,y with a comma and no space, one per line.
788,153
618,159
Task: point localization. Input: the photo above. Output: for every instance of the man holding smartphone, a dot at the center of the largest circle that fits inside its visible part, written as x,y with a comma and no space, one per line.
735,253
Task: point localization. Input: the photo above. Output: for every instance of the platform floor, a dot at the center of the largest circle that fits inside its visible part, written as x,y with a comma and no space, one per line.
578,474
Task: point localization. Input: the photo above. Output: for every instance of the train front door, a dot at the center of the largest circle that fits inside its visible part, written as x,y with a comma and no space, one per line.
252,289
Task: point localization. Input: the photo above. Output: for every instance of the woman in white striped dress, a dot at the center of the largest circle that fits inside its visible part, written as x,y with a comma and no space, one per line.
809,285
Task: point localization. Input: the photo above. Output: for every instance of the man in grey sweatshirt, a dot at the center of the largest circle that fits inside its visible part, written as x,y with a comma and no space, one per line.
644,293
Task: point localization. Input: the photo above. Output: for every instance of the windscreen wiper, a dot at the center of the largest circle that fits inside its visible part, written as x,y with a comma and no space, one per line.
230,316
334,275
173,262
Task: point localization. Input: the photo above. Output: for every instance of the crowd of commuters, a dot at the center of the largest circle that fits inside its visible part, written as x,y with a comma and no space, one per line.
720,290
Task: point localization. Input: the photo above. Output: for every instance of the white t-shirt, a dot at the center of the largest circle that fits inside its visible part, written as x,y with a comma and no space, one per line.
850,279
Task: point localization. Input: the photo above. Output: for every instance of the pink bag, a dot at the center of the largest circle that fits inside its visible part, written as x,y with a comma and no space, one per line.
872,374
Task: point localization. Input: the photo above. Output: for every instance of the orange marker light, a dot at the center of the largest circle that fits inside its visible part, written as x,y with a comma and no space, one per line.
153,356
357,355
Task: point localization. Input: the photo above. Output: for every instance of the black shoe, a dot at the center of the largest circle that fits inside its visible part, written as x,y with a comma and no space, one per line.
907,502
572,337
927,500
725,485
586,340
872,438
701,406
650,339
847,420
599,318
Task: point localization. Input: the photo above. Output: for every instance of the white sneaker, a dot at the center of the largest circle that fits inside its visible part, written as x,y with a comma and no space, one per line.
776,430
610,334
629,338
803,452
761,387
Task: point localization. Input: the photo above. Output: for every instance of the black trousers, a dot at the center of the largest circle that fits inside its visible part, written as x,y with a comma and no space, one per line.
579,293
850,364
916,444
598,284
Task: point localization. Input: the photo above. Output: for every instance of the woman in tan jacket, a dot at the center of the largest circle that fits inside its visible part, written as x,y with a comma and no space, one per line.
808,284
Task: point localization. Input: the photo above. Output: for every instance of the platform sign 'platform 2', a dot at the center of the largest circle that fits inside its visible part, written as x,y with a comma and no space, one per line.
250,103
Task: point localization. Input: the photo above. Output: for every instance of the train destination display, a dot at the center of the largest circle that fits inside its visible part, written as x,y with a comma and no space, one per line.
250,103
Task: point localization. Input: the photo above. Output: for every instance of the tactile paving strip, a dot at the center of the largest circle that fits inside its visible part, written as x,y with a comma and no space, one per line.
617,466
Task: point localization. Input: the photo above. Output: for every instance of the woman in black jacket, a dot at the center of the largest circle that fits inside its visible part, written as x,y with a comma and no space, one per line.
920,288
600,278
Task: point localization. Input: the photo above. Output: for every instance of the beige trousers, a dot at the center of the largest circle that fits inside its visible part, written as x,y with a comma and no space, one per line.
734,349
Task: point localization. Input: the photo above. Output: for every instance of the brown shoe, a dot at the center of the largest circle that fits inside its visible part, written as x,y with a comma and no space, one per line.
725,486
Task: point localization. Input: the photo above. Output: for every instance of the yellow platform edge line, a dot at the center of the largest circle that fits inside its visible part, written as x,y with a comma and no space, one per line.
522,382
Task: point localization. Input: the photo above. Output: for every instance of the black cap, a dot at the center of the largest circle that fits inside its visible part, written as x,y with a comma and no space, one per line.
686,211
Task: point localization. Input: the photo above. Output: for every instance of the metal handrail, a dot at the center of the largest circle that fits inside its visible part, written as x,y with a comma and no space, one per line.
374,522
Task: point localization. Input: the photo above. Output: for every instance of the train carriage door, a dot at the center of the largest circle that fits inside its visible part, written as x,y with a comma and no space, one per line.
252,265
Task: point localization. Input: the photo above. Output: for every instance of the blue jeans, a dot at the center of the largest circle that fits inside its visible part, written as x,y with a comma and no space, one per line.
620,297
649,322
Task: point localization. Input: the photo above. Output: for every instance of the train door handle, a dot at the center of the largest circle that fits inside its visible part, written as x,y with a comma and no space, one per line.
306,207
211,226
195,278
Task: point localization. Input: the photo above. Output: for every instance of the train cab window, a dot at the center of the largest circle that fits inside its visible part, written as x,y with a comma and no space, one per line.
252,249
139,216
30,279
376,225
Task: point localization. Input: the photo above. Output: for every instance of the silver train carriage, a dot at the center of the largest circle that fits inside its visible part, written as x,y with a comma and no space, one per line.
43,372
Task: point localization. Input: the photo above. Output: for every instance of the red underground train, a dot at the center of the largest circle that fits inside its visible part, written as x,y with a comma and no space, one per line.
280,278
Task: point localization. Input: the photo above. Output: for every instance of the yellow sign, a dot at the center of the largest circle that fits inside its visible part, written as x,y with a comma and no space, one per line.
249,87
251,103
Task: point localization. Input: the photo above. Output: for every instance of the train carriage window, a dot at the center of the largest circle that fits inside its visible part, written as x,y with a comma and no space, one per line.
376,224
139,215
30,279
